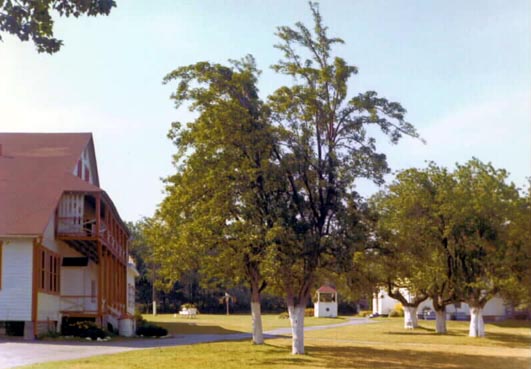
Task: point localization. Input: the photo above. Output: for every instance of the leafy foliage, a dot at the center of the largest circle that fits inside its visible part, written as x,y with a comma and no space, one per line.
151,330
218,202
456,236
83,328
323,147
31,19
264,192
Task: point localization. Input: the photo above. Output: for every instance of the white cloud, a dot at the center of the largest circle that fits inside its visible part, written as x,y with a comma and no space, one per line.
485,125
497,131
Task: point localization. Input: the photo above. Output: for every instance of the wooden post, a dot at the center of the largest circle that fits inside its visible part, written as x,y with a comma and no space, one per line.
100,259
35,285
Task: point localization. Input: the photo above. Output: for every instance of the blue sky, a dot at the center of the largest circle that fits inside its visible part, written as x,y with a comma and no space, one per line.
462,69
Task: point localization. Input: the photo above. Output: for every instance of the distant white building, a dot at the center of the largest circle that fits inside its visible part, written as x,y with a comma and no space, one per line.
494,310
325,305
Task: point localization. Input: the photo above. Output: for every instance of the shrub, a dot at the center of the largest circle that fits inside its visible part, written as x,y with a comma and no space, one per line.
364,313
399,308
139,319
309,312
396,313
84,329
151,330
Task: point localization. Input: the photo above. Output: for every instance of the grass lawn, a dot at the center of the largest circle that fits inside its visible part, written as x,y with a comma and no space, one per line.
224,324
384,344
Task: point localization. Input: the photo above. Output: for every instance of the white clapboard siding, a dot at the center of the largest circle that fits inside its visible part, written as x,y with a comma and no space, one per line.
15,295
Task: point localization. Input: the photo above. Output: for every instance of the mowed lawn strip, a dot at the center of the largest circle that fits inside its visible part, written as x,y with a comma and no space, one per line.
516,334
226,324
382,345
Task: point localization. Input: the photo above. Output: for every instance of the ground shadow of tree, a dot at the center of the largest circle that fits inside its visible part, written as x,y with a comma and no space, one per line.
502,339
373,358
189,327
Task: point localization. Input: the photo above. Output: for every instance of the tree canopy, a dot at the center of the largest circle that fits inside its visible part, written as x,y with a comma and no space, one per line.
220,202
324,145
32,19
455,235
266,190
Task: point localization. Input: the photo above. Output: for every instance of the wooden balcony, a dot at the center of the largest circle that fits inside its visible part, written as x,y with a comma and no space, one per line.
90,224
84,220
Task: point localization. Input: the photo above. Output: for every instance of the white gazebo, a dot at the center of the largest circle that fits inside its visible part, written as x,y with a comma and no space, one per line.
326,303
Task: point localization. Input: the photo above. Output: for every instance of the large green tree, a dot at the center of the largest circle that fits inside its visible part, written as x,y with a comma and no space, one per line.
487,256
413,236
141,252
458,235
32,19
323,146
266,191
219,204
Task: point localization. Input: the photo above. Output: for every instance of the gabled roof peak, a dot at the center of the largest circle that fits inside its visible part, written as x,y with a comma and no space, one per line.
35,169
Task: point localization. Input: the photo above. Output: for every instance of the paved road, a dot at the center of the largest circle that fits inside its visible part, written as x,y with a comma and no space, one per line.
17,353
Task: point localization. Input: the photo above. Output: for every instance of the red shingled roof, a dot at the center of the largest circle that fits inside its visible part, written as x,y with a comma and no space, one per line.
35,169
326,289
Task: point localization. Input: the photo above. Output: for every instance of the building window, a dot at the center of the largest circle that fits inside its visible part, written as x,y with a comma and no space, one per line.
87,175
49,271
93,291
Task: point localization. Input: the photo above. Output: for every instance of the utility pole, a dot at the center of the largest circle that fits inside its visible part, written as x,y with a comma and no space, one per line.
227,301
154,307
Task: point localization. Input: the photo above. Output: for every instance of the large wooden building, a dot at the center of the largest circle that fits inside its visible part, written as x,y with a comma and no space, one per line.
63,245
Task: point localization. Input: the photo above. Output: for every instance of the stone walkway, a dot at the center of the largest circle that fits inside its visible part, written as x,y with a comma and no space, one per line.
17,353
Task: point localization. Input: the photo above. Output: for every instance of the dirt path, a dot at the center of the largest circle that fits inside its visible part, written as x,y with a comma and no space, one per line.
18,353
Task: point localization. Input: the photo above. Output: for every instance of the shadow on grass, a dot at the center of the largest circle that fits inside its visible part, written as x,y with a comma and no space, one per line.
190,327
512,324
503,339
425,331
510,340
366,357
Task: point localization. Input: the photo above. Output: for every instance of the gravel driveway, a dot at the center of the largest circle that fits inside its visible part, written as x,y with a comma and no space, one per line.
15,353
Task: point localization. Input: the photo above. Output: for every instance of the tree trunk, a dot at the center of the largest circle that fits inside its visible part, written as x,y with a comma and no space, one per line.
296,319
256,314
440,321
477,327
410,317
256,310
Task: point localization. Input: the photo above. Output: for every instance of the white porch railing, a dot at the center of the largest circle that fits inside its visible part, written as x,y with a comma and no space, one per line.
79,303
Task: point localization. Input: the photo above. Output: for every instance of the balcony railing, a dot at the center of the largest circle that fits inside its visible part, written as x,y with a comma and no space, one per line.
76,226
82,227
79,304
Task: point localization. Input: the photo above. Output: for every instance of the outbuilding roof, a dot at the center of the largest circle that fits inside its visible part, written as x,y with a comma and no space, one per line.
326,289
35,170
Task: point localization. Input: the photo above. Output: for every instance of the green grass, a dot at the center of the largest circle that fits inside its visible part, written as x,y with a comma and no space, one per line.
390,331
224,324
381,345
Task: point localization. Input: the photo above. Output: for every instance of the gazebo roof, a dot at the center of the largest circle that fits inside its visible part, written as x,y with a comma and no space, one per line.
326,289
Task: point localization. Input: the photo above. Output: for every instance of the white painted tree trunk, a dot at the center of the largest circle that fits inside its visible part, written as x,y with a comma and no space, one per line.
414,317
410,317
256,314
296,319
477,327
440,322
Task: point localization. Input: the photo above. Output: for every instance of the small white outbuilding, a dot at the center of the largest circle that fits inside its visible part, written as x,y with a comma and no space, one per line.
325,305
